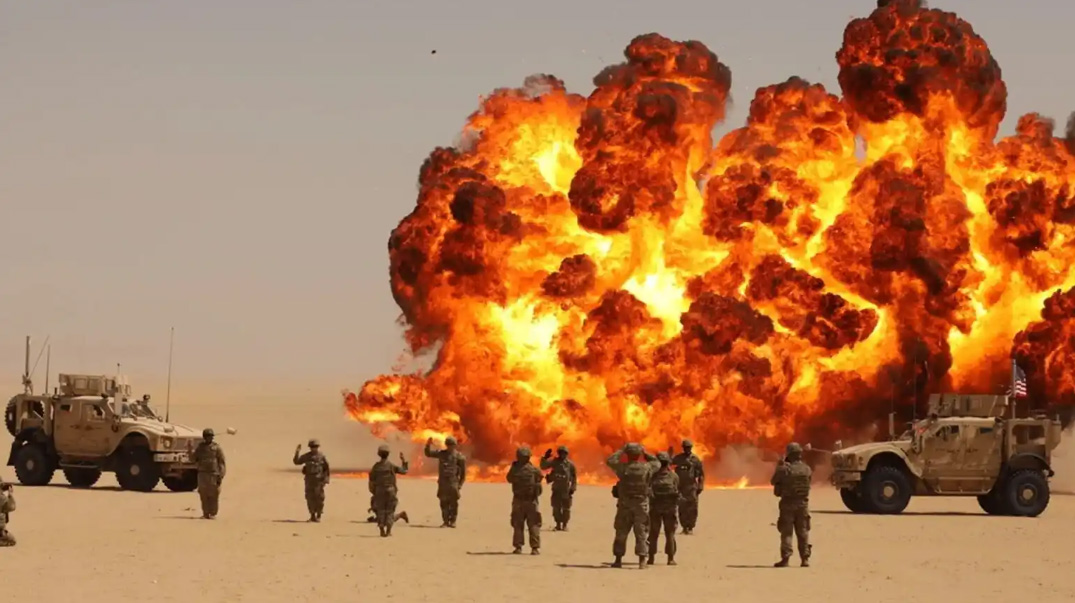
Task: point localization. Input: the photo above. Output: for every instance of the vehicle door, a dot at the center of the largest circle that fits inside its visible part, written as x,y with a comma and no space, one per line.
942,452
983,445
67,427
96,428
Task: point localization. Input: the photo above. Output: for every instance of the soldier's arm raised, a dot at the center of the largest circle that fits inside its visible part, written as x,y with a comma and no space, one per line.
298,459
429,449
545,463
613,461
402,469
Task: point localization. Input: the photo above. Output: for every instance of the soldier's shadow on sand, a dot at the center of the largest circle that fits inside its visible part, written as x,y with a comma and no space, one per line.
585,566
912,514
490,553
96,488
750,567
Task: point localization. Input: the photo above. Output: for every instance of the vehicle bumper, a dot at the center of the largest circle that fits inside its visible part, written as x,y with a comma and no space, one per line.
845,479
172,458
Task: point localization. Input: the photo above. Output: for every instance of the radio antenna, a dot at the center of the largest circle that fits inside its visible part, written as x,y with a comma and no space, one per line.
168,391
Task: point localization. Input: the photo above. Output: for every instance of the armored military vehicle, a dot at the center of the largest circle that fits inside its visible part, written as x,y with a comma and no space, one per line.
966,447
90,425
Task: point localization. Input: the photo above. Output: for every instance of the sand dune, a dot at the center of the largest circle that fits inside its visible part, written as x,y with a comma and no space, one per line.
108,545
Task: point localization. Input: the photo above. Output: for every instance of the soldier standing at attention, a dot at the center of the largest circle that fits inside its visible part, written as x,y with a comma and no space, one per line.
791,482
564,480
691,482
209,457
383,488
315,472
525,480
665,497
7,506
451,474
632,501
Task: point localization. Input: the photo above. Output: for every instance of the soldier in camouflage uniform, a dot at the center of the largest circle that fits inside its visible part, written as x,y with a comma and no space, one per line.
209,457
525,480
632,500
663,502
564,480
451,474
791,482
383,488
691,482
316,475
7,506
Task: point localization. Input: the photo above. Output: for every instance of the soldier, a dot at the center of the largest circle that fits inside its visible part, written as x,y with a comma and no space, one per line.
564,480
209,457
525,480
632,500
691,482
451,474
791,482
7,506
316,474
665,497
383,488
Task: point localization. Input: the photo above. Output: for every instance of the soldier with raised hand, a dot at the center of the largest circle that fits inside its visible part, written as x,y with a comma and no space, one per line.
663,502
209,457
383,488
525,480
316,475
691,483
7,506
791,482
451,475
632,500
564,480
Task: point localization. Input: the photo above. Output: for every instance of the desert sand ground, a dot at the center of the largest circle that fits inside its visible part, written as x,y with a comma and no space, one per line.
108,545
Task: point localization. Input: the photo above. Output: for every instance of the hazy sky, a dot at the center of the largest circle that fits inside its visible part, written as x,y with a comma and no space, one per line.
234,167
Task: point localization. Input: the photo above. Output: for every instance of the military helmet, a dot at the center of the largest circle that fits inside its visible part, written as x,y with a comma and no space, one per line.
314,443
794,450
382,450
633,449
663,457
561,449
688,444
207,433
522,452
449,441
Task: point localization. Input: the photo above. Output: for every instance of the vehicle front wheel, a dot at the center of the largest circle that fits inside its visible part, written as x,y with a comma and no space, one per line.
187,482
853,500
137,471
1026,493
886,490
33,466
9,417
82,477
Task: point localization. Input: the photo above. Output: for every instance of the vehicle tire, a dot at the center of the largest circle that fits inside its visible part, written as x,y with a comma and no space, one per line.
853,500
33,466
991,504
82,477
1026,493
188,482
886,490
9,417
137,471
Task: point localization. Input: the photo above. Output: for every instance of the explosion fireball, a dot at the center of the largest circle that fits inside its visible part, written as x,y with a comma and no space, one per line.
592,270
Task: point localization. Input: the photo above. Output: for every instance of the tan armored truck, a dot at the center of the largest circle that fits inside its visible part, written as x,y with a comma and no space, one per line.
90,425
966,447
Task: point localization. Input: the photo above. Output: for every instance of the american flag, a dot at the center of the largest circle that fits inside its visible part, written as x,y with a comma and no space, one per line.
1018,388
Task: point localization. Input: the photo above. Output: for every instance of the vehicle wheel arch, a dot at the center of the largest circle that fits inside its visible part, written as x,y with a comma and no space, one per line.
1029,460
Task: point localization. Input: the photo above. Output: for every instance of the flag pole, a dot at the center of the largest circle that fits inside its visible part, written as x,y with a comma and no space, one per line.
1011,395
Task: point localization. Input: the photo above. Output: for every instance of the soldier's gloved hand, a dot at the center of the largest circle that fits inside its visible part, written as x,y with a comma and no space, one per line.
548,453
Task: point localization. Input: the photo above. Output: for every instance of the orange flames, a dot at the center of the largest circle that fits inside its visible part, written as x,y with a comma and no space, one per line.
591,270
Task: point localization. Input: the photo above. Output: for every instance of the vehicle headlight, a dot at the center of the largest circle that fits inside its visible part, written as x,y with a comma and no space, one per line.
166,442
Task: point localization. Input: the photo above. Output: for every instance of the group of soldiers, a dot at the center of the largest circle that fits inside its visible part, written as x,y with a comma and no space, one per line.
653,493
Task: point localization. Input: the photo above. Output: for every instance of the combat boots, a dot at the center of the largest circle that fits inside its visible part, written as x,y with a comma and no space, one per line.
805,562
517,551
618,562
641,563
403,516
535,552
782,563
671,560
650,560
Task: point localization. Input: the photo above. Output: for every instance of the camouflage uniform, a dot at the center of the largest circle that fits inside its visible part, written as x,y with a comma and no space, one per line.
7,506
791,482
632,504
691,481
316,474
663,500
451,474
525,480
383,488
209,457
564,480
